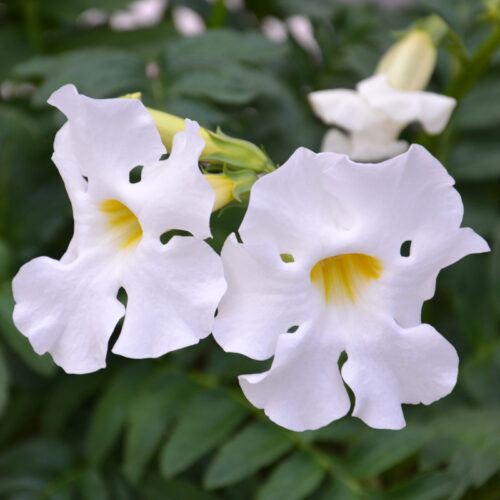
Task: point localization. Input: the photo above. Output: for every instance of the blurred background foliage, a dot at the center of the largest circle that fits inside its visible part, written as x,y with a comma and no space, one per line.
178,427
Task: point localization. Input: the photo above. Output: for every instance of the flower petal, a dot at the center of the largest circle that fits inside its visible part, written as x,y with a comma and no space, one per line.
345,108
303,389
103,138
68,309
265,297
414,278
173,194
295,209
362,146
432,110
173,291
397,365
407,197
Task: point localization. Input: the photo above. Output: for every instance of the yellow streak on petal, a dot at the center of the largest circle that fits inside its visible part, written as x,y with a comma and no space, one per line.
122,222
342,277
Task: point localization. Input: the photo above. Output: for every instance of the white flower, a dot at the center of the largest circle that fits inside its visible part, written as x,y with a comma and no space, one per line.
70,307
139,14
339,227
374,115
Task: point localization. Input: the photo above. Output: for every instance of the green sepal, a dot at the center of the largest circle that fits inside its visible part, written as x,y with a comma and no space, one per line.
243,181
436,26
238,153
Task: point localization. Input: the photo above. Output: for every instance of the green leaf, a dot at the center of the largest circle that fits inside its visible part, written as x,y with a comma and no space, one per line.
495,269
476,111
109,415
294,479
318,9
153,408
475,160
66,397
382,450
214,47
337,490
432,486
40,456
231,84
4,382
204,423
91,486
478,372
475,437
157,488
96,72
343,430
258,445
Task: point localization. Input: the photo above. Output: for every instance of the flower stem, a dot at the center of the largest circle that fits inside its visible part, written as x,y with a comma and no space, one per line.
469,73
474,69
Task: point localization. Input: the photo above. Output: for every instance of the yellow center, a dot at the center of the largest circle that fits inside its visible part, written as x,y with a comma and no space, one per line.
122,222
342,277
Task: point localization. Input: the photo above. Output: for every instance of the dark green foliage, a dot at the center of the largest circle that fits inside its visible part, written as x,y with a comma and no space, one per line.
179,428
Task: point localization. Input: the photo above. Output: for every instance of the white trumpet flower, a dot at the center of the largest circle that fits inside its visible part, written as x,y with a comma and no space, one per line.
69,307
321,251
374,115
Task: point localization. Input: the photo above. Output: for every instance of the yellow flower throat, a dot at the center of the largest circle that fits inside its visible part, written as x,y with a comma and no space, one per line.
343,276
123,223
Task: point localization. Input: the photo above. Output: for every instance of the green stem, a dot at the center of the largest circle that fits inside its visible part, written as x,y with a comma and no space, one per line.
471,72
217,17
32,22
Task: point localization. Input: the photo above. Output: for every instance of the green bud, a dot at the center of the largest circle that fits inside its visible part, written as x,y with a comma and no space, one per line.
220,149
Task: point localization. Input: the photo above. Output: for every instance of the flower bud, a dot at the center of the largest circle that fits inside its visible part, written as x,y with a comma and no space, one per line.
220,149
410,62
223,187
231,185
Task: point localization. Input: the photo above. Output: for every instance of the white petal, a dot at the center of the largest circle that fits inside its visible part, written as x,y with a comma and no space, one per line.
335,141
303,389
173,194
432,110
173,291
362,146
265,297
415,276
326,202
103,138
404,198
295,209
394,366
68,309
345,108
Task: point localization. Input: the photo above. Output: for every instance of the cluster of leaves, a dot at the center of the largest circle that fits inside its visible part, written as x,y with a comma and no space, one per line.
178,427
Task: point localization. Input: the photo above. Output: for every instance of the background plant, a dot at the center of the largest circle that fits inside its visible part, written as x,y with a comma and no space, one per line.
178,427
